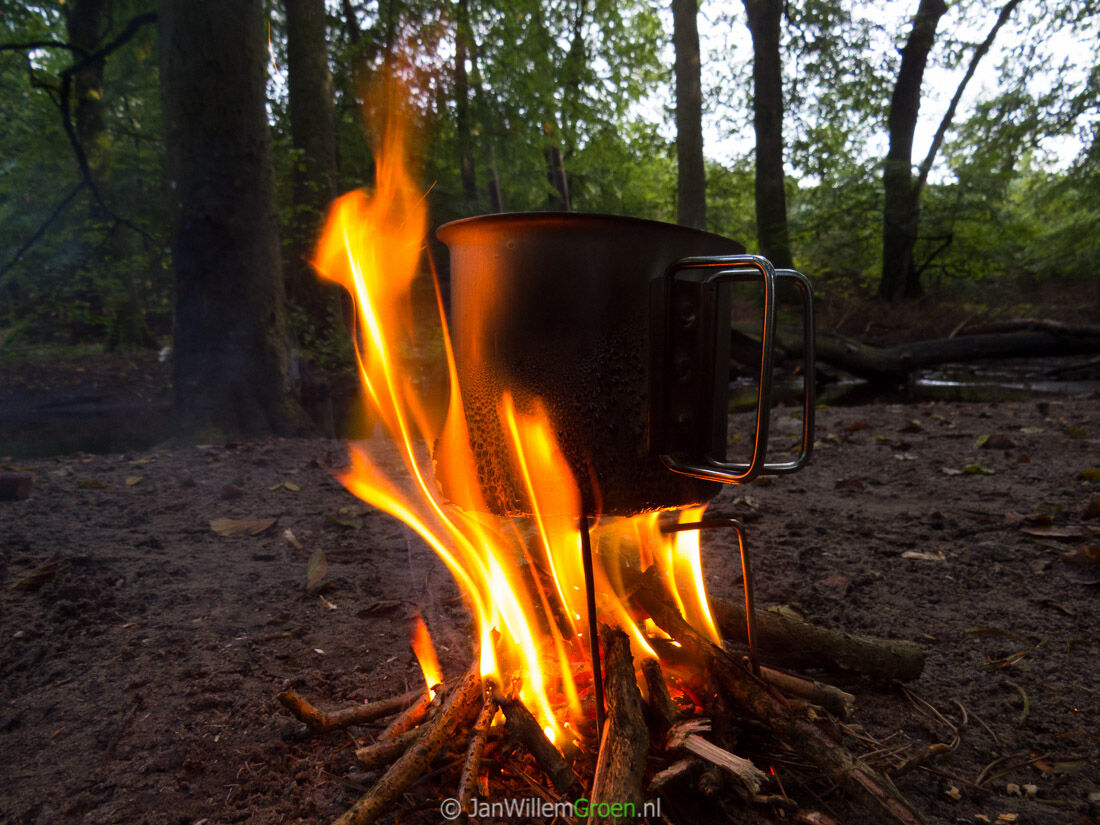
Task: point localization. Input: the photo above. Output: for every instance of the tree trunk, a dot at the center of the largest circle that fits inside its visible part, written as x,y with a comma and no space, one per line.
899,226
312,134
85,21
767,84
230,364
691,184
467,168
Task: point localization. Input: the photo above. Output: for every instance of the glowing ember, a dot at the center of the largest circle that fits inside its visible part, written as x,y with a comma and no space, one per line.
524,580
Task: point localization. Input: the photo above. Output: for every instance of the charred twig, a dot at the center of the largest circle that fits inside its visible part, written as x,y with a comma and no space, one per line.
321,722
625,740
837,764
833,699
467,784
412,763
664,710
523,726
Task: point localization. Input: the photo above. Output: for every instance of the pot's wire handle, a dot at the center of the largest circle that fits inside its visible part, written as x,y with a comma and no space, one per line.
709,273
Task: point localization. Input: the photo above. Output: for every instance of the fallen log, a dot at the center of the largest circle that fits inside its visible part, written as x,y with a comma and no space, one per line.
786,638
617,785
1020,339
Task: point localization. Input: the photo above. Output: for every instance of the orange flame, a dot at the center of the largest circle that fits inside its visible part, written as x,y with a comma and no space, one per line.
524,581
425,654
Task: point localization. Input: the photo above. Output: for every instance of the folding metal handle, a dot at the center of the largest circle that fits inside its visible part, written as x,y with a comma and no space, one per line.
694,363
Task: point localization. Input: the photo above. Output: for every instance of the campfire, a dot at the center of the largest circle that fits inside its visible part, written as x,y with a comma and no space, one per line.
568,500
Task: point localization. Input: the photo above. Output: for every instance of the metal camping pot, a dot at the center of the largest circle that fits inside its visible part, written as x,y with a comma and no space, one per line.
620,327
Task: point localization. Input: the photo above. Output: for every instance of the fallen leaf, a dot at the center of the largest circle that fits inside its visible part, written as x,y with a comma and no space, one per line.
849,484
905,457
378,607
954,793
288,534
1092,509
44,573
315,571
91,484
1052,532
230,492
980,441
1089,474
977,470
328,605
290,485
347,522
1077,432
133,481
857,426
919,556
1006,818
1015,519
238,527
951,471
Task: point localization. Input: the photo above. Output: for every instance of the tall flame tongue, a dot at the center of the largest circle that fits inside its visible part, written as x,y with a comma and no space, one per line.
524,582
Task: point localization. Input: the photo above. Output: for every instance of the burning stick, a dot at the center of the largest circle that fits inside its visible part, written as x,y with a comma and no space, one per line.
665,712
625,741
876,793
321,722
405,770
520,723
414,715
468,783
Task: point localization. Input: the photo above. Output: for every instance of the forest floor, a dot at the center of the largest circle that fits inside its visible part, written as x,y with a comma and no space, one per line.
141,667
141,651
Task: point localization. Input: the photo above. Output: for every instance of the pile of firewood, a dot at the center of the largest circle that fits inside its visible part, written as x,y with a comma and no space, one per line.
656,746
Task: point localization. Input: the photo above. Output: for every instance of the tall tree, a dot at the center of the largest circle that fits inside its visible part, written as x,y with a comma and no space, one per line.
230,361
905,244
313,137
86,21
899,224
767,101
464,134
691,183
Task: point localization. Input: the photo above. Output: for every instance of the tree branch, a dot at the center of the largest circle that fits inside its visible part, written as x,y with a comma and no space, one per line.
66,75
949,115
42,229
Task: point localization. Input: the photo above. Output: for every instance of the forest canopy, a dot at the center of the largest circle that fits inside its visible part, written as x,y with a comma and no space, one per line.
552,104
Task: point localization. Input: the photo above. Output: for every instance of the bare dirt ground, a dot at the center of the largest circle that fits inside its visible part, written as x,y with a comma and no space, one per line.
140,669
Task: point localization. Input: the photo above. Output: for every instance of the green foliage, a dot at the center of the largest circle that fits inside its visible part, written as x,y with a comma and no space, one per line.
95,272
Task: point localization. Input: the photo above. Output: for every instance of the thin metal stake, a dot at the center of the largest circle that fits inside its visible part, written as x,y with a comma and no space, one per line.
593,625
